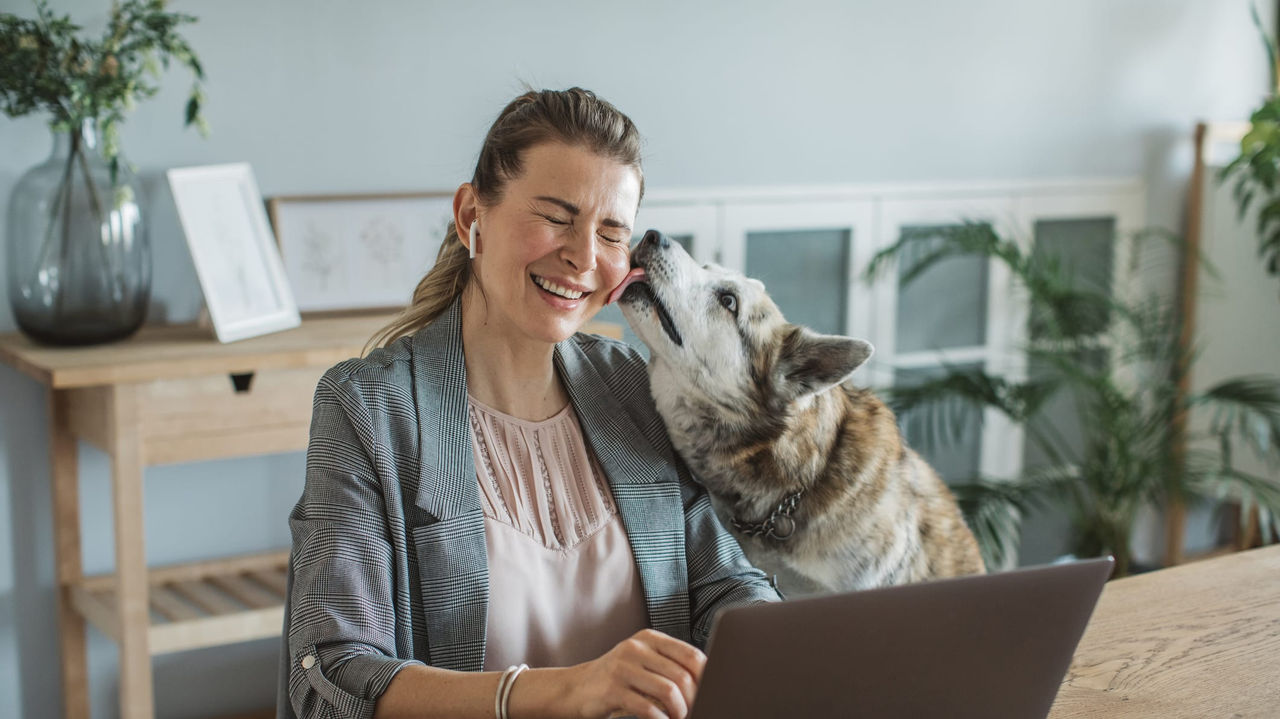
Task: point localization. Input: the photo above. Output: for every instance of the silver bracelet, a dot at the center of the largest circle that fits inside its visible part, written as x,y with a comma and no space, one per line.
503,695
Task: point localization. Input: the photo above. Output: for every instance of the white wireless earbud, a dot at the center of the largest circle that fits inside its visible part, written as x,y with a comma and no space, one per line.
472,236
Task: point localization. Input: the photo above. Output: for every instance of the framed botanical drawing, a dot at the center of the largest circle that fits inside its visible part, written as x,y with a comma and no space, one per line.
238,265
358,252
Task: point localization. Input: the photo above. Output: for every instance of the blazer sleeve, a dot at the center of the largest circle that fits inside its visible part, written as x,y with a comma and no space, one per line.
340,621
719,574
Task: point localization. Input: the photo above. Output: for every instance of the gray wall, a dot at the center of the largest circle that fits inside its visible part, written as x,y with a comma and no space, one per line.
324,96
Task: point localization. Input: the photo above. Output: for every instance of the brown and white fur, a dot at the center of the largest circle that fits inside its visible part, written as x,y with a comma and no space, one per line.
760,409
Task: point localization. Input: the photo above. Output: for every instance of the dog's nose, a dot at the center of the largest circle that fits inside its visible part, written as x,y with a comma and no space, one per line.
653,237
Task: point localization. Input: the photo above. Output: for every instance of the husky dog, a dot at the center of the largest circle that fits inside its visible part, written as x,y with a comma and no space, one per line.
810,472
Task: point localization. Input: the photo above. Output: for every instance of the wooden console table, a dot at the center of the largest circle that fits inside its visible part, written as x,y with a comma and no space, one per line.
173,394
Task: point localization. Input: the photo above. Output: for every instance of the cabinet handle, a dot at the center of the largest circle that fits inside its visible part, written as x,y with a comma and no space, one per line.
242,381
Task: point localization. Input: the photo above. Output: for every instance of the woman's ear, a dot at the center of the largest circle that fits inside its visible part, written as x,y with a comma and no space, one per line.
466,211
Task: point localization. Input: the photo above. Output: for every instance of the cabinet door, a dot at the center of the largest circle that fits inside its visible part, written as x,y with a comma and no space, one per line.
1090,235
808,255
954,315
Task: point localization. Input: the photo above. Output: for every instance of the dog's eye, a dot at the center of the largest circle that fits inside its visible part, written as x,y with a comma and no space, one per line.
729,301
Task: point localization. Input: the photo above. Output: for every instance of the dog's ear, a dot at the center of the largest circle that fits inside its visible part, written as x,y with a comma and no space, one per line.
810,362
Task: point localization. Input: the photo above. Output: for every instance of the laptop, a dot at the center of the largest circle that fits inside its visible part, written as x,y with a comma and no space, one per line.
996,645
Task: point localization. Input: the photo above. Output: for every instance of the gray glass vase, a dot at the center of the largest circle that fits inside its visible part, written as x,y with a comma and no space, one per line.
77,254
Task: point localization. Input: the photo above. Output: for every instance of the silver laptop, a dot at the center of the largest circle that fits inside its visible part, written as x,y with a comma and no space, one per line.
989,646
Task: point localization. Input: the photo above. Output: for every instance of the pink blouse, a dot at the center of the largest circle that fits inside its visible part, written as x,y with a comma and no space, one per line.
563,585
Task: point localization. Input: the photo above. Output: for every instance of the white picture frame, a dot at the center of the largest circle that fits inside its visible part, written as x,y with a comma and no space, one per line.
236,259
358,253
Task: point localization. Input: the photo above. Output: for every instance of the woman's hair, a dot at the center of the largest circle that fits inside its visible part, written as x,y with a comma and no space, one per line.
574,117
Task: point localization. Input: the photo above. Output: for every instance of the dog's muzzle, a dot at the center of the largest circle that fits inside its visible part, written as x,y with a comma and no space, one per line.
637,287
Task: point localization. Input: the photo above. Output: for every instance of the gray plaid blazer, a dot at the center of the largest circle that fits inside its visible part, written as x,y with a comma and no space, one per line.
388,565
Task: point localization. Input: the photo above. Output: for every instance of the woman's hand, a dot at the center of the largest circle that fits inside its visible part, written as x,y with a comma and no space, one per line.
649,675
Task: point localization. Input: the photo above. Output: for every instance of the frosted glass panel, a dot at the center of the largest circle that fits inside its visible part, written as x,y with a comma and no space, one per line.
946,306
1060,417
1084,251
952,442
806,274
1046,531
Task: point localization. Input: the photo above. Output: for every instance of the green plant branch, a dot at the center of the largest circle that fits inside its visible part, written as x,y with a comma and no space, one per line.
45,64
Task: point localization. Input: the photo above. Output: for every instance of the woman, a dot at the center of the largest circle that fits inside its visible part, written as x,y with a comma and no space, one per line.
490,488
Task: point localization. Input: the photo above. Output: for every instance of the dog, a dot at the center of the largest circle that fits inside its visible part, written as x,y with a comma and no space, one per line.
810,473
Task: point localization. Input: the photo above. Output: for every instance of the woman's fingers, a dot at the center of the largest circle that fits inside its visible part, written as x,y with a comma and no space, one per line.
650,675
670,670
689,657
684,680
663,692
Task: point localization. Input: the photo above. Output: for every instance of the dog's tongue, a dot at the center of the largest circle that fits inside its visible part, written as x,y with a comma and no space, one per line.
635,275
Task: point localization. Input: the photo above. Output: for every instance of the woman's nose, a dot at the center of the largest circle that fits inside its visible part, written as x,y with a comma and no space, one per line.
579,250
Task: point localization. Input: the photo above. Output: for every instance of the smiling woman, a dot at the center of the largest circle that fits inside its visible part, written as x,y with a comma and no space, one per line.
491,489
549,250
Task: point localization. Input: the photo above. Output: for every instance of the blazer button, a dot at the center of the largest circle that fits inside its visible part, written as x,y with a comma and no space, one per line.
308,662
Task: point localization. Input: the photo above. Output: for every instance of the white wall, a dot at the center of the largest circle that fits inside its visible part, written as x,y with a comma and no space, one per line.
325,96
1232,334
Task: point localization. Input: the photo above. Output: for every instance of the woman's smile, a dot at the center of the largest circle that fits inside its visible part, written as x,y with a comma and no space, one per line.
561,289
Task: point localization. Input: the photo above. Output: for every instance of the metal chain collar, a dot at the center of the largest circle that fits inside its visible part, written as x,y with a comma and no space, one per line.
778,526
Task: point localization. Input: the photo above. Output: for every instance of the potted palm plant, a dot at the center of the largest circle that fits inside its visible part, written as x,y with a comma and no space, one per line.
1120,358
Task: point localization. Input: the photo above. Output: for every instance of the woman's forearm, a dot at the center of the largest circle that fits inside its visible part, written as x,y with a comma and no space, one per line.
421,692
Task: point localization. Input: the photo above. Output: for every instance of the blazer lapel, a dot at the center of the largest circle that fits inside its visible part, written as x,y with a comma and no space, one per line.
453,559
645,487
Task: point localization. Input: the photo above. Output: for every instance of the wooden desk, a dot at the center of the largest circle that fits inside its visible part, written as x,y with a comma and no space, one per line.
1198,640
173,394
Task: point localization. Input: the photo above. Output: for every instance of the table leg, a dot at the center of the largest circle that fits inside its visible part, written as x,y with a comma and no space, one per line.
65,470
136,697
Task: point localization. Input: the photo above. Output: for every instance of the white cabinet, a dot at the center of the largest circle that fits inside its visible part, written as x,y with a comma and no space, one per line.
811,246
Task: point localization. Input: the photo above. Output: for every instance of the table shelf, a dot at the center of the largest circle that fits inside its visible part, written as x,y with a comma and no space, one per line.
201,604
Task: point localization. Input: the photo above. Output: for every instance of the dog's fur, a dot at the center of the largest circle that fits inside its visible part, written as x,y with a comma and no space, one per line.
760,408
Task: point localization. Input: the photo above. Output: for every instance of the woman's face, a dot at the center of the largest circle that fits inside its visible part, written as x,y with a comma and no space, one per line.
556,243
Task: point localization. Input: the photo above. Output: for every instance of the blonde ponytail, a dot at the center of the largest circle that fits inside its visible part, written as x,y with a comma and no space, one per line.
442,284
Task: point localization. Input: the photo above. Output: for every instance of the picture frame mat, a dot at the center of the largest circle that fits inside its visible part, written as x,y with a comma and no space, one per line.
240,271
358,253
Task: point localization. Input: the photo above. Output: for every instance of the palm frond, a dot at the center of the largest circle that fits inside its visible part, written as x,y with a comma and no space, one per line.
1018,400
994,508
1250,490
937,411
1245,407
923,247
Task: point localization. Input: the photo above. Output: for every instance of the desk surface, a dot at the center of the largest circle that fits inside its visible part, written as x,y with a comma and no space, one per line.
1198,640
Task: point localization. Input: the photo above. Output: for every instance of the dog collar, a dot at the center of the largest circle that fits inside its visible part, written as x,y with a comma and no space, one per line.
778,526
